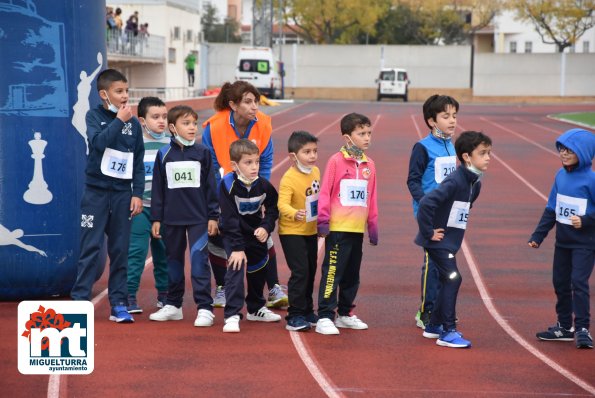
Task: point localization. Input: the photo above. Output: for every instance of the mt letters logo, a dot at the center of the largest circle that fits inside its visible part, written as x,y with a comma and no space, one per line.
56,337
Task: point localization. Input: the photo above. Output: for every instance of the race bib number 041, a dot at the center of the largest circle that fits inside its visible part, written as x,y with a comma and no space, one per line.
184,174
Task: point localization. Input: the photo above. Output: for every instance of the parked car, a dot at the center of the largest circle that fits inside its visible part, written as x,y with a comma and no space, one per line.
260,67
393,83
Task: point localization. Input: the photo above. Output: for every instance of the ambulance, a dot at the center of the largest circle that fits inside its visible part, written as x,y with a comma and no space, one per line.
260,67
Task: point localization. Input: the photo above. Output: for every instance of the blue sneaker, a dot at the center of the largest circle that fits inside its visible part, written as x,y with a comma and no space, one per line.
312,318
298,324
120,315
432,331
453,339
133,307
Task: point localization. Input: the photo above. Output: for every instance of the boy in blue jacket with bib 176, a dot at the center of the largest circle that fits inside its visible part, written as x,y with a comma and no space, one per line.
571,207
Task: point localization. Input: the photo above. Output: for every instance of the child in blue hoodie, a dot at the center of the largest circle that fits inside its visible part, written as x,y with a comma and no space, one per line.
442,218
571,207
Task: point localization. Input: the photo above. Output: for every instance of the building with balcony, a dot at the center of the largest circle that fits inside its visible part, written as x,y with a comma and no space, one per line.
156,59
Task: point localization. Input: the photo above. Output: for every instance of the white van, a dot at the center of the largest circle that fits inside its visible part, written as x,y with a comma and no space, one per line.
393,82
259,67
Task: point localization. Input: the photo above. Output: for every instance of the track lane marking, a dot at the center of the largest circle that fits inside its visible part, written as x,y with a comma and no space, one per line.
55,379
537,144
503,323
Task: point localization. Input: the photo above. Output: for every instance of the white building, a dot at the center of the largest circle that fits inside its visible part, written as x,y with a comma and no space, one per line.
506,34
174,31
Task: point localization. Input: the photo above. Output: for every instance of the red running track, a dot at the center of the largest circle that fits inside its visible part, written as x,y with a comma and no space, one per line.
505,298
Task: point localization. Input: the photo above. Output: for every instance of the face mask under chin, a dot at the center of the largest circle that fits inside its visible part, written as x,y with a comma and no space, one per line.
156,136
182,140
111,107
301,167
243,178
353,149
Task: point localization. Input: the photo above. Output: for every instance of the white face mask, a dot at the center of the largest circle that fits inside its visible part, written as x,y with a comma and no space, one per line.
300,166
110,106
475,170
242,177
181,140
156,136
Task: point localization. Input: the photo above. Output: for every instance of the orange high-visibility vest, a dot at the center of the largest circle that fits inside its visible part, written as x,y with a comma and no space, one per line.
223,134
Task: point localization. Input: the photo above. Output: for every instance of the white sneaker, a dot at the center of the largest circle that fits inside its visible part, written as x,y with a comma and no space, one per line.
277,297
326,326
167,313
350,322
204,318
232,324
219,301
264,315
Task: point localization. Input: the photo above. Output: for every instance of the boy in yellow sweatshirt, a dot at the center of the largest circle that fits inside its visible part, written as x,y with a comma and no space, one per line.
298,208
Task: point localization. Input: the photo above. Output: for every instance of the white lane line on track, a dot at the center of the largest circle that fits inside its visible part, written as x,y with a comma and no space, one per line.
295,121
488,301
55,380
539,126
292,108
301,347
537,144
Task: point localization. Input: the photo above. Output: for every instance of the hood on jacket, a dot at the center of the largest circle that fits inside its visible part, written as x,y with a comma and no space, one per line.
581,142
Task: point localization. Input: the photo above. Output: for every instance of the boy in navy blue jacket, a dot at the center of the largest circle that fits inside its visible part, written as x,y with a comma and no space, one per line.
115,161
571,207
184,199
442,218
432,159
245,228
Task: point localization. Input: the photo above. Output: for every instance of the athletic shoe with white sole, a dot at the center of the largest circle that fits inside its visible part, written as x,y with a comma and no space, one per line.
232,324
167,313
432,331
120,314
583,338
350,322
264,315
556,333
326,326
204,318
133,307
277,297
453,339
298,324
219,300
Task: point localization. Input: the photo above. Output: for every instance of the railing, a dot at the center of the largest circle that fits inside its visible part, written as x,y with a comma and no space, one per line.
125,44
164,93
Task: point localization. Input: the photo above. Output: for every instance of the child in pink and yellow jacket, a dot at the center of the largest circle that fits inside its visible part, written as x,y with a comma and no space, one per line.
346,204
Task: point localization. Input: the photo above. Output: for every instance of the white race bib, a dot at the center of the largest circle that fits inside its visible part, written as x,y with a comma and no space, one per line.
149,161
117,164
459,213
567,206
354,193
443,166
185,174
312,207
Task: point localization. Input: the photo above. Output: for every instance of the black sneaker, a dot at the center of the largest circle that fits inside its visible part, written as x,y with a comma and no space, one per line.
583,339
556,333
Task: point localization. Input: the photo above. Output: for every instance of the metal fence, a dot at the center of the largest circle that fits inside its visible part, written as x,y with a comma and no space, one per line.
125,44
164,93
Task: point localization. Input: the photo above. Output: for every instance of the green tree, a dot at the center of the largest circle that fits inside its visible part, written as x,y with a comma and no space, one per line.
559,22
216,32
333,21
434,21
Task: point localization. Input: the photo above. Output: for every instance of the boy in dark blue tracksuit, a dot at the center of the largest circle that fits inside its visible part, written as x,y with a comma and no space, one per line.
115,162
442,218
432,159
184,200
571,207
248,215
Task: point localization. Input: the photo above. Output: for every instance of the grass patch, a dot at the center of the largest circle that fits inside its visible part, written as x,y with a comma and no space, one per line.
586,119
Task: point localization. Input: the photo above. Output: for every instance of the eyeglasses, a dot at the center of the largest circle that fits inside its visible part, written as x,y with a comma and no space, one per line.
562,148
